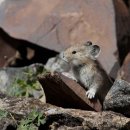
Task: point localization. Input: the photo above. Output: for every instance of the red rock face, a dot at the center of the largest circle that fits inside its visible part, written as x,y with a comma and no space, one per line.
6,52
122,29
124,72
57,25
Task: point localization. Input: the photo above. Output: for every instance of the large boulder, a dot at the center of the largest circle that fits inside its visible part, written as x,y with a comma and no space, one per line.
62,23
65,92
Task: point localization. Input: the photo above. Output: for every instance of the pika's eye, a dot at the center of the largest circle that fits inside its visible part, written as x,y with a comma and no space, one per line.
73,52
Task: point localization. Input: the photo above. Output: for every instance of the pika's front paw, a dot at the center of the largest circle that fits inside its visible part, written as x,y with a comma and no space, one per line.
90,93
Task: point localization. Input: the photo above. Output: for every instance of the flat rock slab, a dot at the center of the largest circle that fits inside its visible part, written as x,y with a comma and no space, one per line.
65,92
118,98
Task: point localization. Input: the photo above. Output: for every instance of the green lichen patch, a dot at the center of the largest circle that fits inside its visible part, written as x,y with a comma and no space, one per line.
32,121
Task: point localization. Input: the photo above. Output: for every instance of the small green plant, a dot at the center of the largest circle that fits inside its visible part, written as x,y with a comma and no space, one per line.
33,120
28,84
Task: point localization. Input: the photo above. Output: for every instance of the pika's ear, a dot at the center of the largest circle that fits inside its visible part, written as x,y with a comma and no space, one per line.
88,43
95,51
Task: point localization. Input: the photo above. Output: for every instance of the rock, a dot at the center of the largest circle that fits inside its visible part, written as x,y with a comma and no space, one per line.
127,3
118,98
62,119
7,124
122,17
22,81
18,53
124,71
65,92
6,51
62,23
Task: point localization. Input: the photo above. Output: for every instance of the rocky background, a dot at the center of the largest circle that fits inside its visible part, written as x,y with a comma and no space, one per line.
33,31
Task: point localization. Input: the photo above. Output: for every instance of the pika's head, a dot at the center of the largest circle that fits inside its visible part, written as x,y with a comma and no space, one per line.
81,52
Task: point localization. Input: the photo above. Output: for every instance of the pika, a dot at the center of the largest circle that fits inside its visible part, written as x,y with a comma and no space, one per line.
87,70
